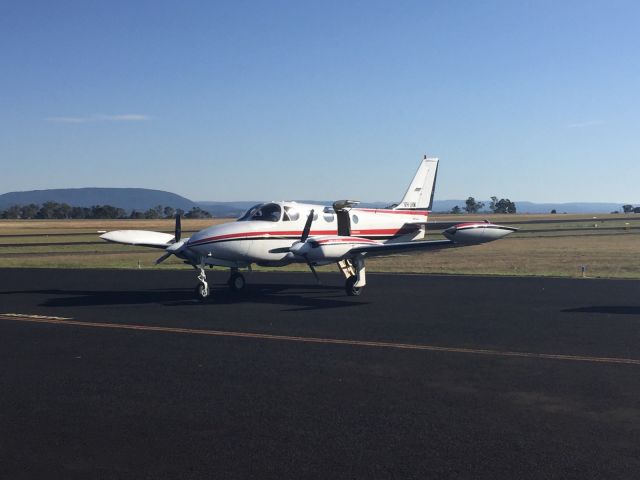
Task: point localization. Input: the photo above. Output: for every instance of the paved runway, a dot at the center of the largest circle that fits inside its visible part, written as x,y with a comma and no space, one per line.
420,377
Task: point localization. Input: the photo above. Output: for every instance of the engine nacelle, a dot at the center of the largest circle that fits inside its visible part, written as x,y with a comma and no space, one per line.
330,248
476,233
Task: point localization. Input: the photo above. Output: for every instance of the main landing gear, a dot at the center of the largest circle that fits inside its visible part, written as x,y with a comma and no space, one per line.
350,286
236,281
354,272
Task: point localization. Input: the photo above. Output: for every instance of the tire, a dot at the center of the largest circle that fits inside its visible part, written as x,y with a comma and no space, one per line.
350,287
202,292
236,282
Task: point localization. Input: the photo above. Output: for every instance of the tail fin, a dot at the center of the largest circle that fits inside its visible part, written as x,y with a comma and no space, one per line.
419,195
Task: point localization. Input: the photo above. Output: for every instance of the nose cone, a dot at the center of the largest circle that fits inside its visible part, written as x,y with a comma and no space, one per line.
227,241
214,234
197,238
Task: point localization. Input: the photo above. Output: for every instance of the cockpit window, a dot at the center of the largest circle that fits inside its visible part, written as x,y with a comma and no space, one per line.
266,212
246,215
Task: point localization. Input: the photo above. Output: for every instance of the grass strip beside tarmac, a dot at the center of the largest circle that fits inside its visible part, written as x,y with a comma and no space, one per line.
605,253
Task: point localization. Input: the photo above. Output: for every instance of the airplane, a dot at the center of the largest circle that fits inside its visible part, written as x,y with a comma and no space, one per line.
279,233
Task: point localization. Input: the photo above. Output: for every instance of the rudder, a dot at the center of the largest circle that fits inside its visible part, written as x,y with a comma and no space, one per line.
419,195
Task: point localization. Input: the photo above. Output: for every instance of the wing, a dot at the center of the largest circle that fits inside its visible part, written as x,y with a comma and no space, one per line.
143,238
387,248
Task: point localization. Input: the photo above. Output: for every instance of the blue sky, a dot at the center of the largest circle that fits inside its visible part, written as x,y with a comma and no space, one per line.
531,100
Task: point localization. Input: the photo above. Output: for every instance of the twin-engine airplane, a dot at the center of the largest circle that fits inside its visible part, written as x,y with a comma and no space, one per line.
279,233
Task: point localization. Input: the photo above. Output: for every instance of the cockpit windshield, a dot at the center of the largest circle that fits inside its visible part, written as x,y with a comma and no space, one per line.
267,212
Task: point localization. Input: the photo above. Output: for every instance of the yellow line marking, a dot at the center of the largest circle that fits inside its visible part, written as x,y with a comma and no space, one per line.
27,315
318,340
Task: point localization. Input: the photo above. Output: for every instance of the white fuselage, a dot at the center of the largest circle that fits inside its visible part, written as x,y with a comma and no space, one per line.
261,237
280,233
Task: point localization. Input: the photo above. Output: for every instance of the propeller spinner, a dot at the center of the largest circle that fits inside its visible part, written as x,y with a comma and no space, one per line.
177,245
300,247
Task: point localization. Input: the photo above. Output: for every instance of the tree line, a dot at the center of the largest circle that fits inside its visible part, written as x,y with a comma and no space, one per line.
630,209
503,205
55,210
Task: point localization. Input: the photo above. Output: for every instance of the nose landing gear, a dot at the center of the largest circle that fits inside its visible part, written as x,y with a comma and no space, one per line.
202,289
236,282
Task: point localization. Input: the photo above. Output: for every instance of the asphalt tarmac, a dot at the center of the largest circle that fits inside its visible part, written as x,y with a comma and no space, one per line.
420,377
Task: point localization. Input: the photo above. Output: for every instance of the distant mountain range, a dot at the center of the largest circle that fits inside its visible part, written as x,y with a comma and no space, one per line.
142,199
126,198
532,207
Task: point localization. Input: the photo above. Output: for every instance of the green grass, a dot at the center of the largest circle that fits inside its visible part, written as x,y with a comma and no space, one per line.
607,253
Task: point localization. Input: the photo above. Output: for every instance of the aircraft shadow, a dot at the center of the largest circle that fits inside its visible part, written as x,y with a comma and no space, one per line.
610,309
312,297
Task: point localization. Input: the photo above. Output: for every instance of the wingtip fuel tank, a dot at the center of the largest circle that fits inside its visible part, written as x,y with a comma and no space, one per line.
476,232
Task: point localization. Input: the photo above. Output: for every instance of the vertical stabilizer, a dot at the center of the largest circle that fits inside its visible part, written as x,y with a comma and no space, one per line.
419,195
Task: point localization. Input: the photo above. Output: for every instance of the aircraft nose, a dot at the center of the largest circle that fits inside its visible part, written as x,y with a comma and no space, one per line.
197,238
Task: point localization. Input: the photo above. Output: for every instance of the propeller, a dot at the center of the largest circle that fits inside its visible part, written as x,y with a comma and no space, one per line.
177,244
178,230
163,258
300,247
307,227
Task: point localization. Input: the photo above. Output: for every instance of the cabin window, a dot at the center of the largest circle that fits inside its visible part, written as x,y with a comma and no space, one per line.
354,218
290,214
328,217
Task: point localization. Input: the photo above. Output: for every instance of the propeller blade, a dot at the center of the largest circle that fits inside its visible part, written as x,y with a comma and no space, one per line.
307,227
178,232
313,270
163,258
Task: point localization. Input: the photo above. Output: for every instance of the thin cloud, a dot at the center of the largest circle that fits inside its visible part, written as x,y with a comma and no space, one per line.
127,117
124,117
588,123
67,119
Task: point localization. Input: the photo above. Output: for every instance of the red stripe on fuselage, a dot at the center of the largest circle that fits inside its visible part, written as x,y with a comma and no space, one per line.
471,224
284,233
347,240
421,213
276,234
384,231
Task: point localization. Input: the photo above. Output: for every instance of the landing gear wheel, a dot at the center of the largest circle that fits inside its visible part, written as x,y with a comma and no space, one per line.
236,282
350,287
202,292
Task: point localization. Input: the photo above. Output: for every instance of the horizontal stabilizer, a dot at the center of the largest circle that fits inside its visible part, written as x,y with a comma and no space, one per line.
143,238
